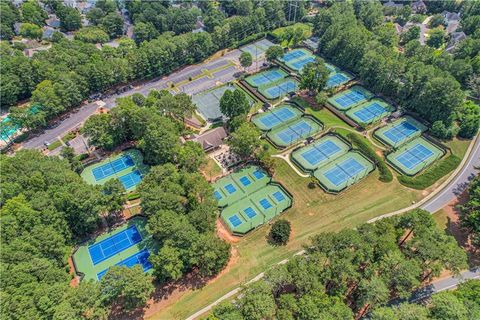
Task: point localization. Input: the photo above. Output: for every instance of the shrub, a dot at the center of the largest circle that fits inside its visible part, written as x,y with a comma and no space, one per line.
280,232
432,174
385,173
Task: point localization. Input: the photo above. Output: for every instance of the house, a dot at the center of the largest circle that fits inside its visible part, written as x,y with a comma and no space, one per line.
455,38
47,33
16,27
419,7
450,16
30,52
391,4
212,139
53,21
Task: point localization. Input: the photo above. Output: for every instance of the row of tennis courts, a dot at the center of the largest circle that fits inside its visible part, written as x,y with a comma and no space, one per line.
273,83
331,160
249,198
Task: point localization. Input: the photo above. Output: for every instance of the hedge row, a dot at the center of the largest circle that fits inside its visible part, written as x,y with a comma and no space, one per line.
432,174
385,173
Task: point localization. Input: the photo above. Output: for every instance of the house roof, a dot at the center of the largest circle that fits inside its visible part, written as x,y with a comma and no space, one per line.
392,4
451,16
53,21
47,32
211,139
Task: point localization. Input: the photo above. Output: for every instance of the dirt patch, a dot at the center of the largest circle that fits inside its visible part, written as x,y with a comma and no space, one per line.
75,280
224,234
455,229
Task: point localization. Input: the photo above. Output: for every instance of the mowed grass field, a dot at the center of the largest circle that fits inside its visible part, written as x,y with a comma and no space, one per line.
313,212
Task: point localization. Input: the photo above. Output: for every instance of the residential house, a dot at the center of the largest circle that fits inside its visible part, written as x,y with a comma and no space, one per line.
452,21
47,33
455,38
391,4
53,21
419,7
211,140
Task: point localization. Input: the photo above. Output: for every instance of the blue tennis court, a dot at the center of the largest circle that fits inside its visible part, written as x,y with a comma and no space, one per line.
350,98
245,181
321,152
230,188
258,174
265,204
410,158
114,244
400,132
112,167
250,212
235,220
270,120
330,67
336,80
344,171
283,114
282,88
370,112
292,55
131,179
217,195
294,132
298,65
140,258
278,196
266,77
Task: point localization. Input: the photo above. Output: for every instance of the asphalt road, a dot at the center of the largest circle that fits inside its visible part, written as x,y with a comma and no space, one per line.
75,120
458,184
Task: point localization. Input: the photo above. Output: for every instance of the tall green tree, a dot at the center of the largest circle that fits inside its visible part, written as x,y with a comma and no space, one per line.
245,140
314,76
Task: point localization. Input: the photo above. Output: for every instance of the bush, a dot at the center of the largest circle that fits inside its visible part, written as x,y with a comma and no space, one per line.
385,173
432,174
133,196
280,232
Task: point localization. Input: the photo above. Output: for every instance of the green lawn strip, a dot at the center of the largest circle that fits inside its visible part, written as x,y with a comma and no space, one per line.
363,146
327,118
431,174
441,219
313,212
69,136
54,145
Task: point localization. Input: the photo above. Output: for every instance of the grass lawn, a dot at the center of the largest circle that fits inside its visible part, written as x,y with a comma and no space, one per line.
441,219
211,169
313,212
327,118
459,146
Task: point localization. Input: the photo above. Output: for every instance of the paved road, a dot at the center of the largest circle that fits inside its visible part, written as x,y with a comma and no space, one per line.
458,184
75,120
440,285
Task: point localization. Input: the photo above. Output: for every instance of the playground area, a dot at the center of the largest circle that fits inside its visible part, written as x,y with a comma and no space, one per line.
350,98
400,131
249,199
276,117
128,245
294,131
208,102
344,171
127,167
370,111
320,152
257,49
414,156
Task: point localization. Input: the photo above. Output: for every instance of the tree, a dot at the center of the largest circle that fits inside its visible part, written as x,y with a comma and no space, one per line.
369,13
130,284
441,131
30,30
191,156
144,32
445,305
167,264
99,131
273,53
210,254
92,35
246,60
436,38
113,196
469,120
470,212
245,140
160,142
33,13
387,35
436,21
112,24
234,103
257,302
70,18
68,154
314,76
280,232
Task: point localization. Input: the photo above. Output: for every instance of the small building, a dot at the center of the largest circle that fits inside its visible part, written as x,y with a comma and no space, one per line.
419,7
47,33
450,16
16,27
211,140
455,38
53,21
